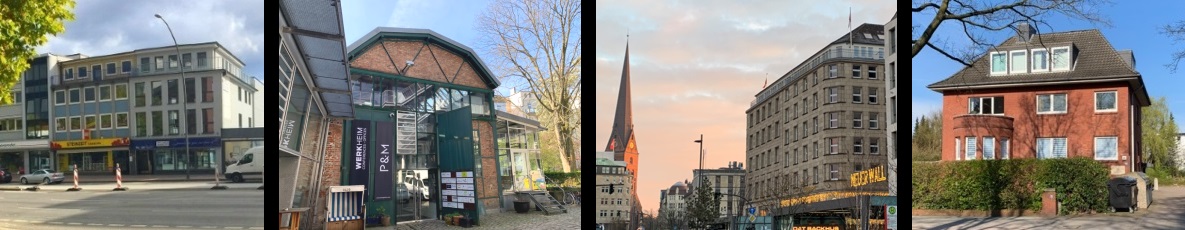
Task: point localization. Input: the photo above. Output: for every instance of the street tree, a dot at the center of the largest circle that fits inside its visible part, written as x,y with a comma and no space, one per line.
927,137
539,42
702,209
976,17
24,25
1160,136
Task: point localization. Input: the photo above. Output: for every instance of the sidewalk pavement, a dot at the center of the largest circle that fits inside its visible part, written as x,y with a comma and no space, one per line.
504,220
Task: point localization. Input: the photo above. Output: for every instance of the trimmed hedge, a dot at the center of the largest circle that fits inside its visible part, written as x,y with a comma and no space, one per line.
1081,184
571,179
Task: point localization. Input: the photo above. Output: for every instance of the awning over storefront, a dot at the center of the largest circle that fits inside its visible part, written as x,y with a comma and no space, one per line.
21,145
194,142
316,30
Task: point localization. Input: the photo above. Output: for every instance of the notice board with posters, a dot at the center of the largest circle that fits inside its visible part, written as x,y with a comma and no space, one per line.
457,190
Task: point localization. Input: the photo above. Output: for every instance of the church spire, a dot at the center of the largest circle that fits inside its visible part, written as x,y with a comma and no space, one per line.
623,125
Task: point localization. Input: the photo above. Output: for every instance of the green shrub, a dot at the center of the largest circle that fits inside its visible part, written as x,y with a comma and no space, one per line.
571,179
1009,184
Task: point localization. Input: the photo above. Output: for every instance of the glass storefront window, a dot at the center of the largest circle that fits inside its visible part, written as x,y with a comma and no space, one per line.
442,100
293,127
503,139
164,160
479,104
11,161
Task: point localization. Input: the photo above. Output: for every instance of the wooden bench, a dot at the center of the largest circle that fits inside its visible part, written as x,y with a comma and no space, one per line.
346,208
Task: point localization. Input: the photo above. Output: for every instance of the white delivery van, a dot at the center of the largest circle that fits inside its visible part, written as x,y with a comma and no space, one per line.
250,165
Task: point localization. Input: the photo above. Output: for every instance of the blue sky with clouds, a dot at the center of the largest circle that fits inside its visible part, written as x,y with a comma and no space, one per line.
1134,25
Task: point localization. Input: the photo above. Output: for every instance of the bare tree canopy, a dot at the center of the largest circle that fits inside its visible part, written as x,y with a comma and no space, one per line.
1177,32
977,17
540,43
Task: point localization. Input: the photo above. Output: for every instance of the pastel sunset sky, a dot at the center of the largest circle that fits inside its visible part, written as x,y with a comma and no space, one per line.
695,67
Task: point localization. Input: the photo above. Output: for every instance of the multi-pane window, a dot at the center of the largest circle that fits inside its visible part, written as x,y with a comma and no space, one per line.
970,148
855,71
187,60
1051,103
856,145
871,72
1106,148
856,119
1051,148
989,151
172,87
69,74
1040,60
832,94
832,71
1061,58
145,64
834,141
141,124
833,120
140,94
157,88
1104,101
160,62
871,95
1003,148
999,62
872,145
201,59
985,105
856,94
127,66
872,120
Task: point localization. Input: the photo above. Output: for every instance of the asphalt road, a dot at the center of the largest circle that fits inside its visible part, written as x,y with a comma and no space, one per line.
182,205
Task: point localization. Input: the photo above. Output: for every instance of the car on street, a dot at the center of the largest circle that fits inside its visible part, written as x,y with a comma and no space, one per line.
5,177
44,175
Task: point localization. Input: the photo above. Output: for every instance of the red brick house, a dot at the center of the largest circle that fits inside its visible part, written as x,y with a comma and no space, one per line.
1055,95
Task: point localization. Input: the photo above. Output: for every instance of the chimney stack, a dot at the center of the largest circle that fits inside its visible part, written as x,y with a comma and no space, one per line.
1024,31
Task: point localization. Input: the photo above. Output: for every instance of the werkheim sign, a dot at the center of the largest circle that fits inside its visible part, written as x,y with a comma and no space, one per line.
869,176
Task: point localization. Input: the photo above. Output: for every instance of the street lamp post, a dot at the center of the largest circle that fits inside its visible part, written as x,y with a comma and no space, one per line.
185,107
701,151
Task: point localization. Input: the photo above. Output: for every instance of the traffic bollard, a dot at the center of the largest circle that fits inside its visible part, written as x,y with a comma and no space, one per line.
75,188
119,180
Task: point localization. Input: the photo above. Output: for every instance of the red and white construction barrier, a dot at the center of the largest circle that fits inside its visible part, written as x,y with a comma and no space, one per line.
75,188
118,179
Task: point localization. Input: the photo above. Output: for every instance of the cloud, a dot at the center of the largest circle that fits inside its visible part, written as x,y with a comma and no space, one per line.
107,27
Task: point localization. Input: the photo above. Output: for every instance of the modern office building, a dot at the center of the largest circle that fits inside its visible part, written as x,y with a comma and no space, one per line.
613,209
25,124
314,98
423,101
814,127
166,108
891,110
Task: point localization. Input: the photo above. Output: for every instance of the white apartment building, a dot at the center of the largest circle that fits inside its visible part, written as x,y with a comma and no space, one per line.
891,91
613,210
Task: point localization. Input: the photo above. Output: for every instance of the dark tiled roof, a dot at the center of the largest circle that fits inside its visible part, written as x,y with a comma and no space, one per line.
1094,59
857,35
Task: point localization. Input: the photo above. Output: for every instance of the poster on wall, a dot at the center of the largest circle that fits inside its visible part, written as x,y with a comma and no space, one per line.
384,146
359,142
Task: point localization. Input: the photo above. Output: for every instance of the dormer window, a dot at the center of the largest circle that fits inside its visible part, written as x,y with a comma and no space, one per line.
999,63
1020,63
1040,60
1061,58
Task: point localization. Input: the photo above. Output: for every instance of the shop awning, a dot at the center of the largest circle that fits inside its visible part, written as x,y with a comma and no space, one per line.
316,28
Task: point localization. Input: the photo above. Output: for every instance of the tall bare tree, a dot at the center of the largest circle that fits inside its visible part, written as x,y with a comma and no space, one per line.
976,17
1177,32
540,43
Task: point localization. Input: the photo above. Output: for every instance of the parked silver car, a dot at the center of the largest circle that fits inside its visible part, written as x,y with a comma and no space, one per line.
44,175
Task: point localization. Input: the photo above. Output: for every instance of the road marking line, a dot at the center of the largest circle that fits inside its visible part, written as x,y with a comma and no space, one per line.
184,226
209,227
233,227
74,223
95,224
115,225
55,222
160,226
140,226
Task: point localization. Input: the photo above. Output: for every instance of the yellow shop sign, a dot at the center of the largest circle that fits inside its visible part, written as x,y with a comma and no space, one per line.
868,176
109,142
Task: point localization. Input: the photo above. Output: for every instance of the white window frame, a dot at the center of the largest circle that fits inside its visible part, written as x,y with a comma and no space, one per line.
109,121
99,93
63,125
115,120
84,122
856,71
160,62
1114,105
856,96
833,95
989,148
72,122
993,63
1004,148
872,121
69,74
856,119
68,98
1051,148
873,147
126,70
857,145
872,71
970,151
1115,153
833,120
110,64
127,92
93,75
1033,58
84,94
1014,68
958,148
1051,102
834,148
1069,61
872,96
